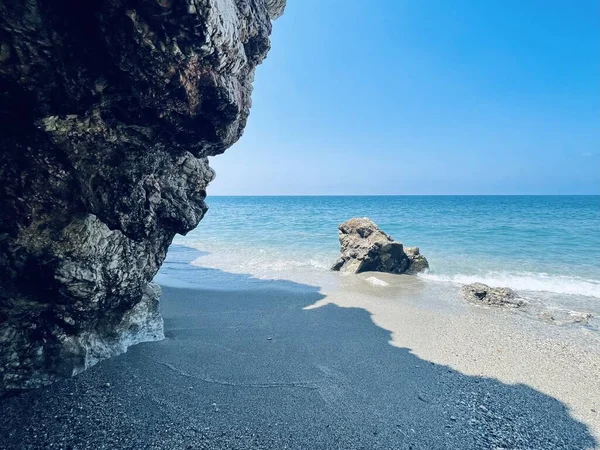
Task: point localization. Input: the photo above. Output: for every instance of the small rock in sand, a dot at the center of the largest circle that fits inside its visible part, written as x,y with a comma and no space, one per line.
562,317
482,294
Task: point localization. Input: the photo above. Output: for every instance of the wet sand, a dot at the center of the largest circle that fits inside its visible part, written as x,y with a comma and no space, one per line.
282,365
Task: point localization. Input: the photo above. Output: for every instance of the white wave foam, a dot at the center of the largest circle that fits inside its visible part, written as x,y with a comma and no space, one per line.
526,281
256,260
257,265
271,263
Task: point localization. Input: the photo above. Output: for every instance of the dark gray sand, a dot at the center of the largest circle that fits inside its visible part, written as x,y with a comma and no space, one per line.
252,370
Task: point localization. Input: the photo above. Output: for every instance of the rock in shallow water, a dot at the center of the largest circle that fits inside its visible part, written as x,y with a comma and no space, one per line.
109,111
563,317
364,247
482,294
418,263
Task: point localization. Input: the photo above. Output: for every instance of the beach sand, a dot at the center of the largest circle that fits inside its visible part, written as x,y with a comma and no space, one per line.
281,365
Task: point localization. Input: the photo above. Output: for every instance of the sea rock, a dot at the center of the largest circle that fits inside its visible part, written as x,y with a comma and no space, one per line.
364,247
418,263
482,294
109,112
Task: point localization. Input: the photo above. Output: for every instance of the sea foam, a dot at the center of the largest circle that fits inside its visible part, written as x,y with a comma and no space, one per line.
526,281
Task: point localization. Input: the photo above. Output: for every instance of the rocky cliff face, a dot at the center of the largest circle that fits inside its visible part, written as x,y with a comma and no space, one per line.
108,111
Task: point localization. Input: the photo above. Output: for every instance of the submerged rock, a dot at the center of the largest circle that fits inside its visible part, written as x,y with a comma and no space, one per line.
364,247
109,111
563,317
483,294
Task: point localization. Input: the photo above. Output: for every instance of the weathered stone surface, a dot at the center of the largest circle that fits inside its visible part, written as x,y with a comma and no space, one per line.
482,294
418,263
108,111
364,247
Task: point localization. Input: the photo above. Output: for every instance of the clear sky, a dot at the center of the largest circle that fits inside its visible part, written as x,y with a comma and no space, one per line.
424,97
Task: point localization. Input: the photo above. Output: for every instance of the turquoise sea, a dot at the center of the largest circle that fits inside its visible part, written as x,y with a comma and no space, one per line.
546,247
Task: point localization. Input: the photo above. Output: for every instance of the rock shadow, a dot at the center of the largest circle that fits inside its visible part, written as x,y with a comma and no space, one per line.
246,367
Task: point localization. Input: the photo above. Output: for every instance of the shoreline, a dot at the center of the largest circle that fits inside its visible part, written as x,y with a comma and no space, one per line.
193,268
562,361
278,364
564,292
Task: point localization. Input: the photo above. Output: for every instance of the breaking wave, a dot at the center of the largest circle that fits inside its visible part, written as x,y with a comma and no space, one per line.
526,281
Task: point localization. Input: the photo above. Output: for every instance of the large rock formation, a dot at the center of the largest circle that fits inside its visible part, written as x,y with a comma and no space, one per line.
109,110
364,247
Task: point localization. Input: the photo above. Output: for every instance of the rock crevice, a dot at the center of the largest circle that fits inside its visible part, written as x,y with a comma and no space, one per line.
108,114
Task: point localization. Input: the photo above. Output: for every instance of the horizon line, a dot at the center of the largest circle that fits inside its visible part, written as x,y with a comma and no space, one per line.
404,195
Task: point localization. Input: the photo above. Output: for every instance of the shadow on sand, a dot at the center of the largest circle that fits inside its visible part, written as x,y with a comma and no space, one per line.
250,368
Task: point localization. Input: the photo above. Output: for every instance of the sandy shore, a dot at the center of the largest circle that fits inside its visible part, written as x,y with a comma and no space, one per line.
560,361
281,365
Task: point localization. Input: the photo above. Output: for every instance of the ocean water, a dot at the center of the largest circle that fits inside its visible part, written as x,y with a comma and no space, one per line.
545,247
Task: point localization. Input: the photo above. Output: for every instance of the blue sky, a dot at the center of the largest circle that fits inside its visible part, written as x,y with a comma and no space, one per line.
424,97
